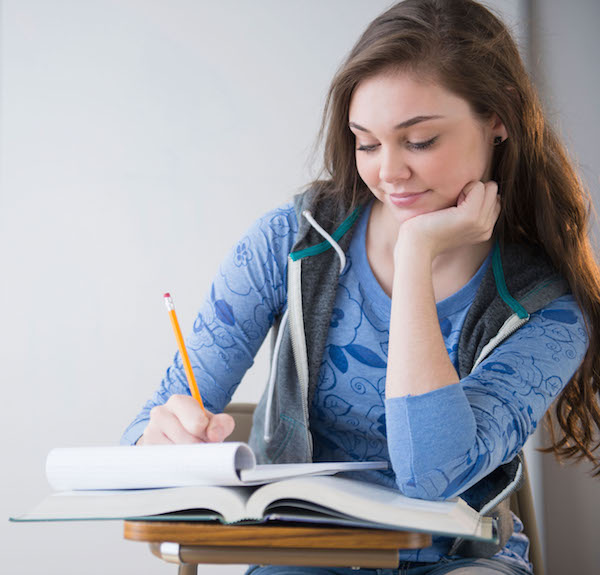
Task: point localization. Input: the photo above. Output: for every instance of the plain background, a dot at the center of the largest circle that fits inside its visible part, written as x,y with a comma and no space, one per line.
138,140
564,48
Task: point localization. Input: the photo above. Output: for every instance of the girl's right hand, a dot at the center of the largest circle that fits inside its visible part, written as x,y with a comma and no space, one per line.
470,222
182,420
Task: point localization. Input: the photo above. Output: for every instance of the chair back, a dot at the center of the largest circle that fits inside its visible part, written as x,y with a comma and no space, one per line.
242,414
521,504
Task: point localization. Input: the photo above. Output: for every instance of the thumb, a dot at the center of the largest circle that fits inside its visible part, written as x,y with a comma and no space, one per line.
220,426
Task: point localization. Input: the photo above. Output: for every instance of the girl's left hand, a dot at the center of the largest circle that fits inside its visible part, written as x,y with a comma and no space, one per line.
470,222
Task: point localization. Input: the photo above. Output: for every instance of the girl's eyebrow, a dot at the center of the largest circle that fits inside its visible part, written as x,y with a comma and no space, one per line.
405,124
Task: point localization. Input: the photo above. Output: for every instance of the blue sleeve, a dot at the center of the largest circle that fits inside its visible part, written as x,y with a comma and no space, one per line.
444,441
248,293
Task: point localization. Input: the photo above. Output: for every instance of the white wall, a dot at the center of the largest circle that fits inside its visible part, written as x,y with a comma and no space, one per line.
138,139
566,45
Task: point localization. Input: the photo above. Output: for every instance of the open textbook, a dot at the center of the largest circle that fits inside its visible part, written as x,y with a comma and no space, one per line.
227,486
329,500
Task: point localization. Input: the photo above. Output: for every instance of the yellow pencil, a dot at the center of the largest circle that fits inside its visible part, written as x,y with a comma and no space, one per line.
187,366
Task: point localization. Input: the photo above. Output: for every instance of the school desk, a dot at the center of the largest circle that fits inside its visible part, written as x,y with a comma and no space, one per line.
191,543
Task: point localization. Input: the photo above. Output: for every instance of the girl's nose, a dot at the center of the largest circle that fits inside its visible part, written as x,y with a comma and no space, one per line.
393,167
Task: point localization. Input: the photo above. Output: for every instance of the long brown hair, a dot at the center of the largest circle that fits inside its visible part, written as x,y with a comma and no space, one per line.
470,52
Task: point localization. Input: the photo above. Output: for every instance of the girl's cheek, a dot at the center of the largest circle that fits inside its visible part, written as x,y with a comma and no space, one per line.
367,171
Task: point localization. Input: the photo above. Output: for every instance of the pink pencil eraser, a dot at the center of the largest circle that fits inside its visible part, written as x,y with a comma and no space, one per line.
167,294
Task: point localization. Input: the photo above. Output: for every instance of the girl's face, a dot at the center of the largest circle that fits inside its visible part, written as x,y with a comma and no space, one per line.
417,144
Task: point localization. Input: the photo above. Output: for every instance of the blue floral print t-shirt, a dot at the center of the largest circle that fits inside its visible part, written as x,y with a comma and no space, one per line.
439,443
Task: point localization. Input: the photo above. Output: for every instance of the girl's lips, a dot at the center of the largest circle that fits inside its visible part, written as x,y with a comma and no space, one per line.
406,200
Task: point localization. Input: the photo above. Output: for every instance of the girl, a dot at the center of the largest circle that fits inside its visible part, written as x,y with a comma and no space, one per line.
433,293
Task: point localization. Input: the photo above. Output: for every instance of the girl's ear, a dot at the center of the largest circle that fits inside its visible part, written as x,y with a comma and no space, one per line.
498,128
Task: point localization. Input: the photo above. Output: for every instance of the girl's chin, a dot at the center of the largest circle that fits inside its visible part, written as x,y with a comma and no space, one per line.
397,217
405,208
401,218
403,213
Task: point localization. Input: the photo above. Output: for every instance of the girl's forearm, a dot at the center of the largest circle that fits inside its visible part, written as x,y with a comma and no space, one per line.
417,359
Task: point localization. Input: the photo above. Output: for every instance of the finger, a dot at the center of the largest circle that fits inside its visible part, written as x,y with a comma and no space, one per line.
491,186
473,195
474,189
492,200
158,438
169,424
220,427
497,208
491,192
193,418
486,194
153,436
492,215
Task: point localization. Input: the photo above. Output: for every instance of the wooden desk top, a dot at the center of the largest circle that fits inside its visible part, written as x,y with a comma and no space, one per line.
273,535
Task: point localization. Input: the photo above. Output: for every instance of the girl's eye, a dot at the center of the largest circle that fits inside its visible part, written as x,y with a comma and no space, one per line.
421,145
366,148
415,146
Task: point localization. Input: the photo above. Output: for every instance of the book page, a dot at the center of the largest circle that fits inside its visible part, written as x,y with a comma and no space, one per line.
372,505
226,503
137,467
277,471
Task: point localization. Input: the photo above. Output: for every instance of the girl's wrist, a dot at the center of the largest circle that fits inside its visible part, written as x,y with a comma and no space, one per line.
409,248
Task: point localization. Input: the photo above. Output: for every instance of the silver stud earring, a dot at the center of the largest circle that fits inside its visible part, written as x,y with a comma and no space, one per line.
497,140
